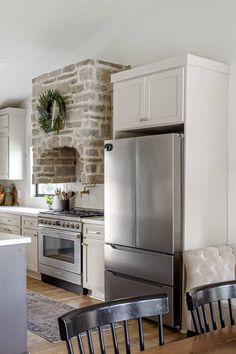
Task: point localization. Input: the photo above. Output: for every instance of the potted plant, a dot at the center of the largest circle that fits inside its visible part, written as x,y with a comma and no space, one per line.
49,200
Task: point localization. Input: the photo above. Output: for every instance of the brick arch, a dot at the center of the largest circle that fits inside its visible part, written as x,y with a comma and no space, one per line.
62,159
55,165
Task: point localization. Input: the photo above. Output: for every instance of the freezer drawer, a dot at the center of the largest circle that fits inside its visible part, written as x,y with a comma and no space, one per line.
119,286
152,266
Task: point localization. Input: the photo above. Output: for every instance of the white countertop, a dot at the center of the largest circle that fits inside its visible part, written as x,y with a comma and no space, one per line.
10,239
26,211
99,220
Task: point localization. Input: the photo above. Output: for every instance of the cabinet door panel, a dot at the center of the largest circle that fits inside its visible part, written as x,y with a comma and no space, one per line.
29,222
32,250
10,229
128,103
120,167
10,219
4,124
93,265
4,157
164,97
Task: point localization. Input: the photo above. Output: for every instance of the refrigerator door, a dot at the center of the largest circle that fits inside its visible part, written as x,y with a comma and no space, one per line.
120,191
158,199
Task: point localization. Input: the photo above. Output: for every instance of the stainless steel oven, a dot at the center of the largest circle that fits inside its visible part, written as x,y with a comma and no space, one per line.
59,243
59,248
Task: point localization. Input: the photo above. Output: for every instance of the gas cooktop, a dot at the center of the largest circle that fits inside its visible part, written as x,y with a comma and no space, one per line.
77,212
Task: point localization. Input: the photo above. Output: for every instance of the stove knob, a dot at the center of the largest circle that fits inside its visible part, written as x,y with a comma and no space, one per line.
77,226
62,224
58,223
72,225
54,222
67,224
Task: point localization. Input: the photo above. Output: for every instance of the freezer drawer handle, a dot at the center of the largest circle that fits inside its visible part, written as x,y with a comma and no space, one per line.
108,147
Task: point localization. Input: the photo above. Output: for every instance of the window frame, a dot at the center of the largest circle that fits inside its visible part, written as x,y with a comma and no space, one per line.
37,194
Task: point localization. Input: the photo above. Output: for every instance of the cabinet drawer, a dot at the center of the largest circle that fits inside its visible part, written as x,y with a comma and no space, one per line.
4,123
10,229
29,232
10,219
29,222
93,231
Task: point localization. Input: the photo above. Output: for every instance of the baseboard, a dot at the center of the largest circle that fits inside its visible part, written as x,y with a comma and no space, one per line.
35,275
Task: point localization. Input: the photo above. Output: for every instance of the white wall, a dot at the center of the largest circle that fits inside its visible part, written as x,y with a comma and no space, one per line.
232,157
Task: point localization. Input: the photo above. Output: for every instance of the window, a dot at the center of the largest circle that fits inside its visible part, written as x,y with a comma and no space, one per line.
47,188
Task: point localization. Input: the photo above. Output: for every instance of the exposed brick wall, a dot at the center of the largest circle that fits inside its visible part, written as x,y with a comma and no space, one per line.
88,93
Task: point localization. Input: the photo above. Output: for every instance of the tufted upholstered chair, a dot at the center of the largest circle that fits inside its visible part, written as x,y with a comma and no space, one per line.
205,266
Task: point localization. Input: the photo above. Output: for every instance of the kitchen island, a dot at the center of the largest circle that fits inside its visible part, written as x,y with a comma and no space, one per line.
13,294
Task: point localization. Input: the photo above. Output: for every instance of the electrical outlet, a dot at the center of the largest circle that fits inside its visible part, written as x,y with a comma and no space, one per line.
19,193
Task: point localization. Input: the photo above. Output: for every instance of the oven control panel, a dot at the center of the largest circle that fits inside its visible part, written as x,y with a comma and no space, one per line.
60,223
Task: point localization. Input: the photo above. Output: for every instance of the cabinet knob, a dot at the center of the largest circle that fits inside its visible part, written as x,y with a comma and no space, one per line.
143,119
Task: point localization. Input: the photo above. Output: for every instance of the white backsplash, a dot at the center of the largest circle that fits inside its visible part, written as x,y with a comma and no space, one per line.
94,200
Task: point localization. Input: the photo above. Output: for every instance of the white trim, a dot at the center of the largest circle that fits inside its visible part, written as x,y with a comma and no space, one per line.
171,63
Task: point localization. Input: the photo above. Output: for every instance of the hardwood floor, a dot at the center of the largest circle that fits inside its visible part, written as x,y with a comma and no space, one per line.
39,345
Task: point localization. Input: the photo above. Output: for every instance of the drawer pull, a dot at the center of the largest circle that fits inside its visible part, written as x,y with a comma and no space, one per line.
95,232
143,119
35,235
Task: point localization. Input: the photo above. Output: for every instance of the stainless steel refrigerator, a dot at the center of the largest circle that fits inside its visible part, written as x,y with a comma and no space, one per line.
143,218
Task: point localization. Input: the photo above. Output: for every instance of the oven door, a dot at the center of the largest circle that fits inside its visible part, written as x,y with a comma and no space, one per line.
60,249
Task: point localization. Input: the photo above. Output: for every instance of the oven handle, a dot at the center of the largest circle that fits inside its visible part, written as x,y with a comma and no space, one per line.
55,233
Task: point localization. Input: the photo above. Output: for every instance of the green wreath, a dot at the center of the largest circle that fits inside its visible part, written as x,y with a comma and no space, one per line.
52,111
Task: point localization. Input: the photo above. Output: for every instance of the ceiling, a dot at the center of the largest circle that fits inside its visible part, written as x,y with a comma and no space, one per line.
40,36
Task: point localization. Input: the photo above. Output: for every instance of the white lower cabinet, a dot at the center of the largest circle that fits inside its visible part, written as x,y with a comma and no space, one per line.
10,223
29,229
24,226
93,259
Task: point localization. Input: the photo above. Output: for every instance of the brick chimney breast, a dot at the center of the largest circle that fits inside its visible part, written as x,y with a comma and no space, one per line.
76,153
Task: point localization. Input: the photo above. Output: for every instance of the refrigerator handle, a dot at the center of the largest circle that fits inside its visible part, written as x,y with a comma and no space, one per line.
108,147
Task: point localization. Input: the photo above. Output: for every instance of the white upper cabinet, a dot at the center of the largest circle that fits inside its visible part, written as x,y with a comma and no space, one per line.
12,143
4,168
4,123
150,100
164,98
129,103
